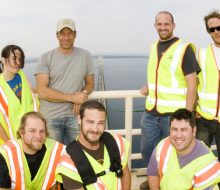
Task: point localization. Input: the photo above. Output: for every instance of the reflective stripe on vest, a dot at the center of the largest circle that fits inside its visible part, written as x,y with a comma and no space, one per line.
204,176
17,173
164,151
209,84
174,65
4,105
33,97
207,174
99,185
169,96
15,162
121,147
57,152
67,163
4,110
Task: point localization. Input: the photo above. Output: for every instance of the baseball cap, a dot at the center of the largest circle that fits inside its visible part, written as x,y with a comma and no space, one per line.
69,23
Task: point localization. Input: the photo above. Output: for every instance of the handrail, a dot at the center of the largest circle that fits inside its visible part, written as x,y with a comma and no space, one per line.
128,131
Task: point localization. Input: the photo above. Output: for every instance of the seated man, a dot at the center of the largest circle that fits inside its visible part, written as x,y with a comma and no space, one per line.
30,161
97,159
182,162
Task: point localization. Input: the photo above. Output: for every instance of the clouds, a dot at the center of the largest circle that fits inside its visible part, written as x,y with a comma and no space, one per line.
103,26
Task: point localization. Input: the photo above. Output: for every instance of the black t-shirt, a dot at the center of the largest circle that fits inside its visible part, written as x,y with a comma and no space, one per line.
189,65
34,162
98,155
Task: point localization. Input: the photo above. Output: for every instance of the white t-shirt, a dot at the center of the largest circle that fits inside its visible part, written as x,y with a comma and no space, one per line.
217,54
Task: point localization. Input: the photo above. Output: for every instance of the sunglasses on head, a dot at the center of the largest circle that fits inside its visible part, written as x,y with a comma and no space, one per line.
214,28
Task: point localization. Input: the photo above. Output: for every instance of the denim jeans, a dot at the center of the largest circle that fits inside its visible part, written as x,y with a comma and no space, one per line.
207,130
64,130
153,129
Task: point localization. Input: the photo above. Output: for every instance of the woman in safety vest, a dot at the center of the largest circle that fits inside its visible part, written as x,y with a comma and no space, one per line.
16,96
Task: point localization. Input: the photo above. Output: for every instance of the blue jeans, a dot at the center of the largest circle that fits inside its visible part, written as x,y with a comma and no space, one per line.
64,130
153,129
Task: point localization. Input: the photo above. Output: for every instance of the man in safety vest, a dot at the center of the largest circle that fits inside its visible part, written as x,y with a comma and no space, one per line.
171,84
30,161
208,113
182,162
101,158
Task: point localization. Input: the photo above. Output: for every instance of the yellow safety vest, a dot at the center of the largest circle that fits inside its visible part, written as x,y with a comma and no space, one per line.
109,181
208,85
197,175
18,167
11,109
166,81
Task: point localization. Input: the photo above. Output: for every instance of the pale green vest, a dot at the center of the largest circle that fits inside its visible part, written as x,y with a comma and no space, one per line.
208,85
16,109
166,81
108,181
37,182
174,177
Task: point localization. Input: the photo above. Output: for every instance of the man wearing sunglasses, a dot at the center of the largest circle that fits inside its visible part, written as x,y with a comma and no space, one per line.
208,113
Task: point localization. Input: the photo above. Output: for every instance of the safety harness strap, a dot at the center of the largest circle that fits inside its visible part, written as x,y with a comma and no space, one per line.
85,168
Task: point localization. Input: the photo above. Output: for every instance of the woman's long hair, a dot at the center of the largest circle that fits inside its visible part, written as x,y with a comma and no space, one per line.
7,50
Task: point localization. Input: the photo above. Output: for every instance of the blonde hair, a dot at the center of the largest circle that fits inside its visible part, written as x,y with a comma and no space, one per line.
31,114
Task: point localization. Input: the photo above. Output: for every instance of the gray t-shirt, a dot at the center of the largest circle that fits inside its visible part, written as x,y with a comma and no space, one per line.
66,74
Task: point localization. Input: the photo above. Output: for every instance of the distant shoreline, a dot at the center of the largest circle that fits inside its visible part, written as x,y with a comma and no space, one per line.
105,56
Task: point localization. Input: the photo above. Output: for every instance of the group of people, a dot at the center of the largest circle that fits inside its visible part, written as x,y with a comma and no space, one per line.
180,87
57,140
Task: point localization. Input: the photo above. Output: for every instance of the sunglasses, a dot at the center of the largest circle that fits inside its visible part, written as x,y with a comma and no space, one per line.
214,28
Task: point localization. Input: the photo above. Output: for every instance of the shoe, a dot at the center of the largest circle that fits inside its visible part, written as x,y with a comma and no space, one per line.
144,185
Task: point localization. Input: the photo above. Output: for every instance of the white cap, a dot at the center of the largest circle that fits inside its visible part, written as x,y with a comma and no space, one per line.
69,23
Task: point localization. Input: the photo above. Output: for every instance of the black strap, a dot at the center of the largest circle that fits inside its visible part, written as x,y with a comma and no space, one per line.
83,165
114,153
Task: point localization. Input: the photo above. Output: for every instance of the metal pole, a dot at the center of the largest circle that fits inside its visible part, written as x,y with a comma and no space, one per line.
128,123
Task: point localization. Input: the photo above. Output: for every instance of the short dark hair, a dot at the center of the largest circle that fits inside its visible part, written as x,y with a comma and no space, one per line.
92,104
184,114
7,50
164,12
213,14
32,114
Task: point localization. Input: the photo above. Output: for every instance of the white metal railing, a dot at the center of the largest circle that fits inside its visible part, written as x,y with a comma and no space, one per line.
128,131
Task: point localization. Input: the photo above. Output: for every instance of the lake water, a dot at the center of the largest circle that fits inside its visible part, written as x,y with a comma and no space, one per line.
120,73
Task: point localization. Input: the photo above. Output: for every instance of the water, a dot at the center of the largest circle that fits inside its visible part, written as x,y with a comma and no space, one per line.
120,73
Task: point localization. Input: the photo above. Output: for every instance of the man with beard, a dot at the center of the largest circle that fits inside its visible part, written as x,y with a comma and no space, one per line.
91,160
182,162
171,84
30,161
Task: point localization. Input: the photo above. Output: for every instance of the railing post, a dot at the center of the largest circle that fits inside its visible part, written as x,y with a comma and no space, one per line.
128,123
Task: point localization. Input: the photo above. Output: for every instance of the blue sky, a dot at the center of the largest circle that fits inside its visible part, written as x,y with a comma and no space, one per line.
103,26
